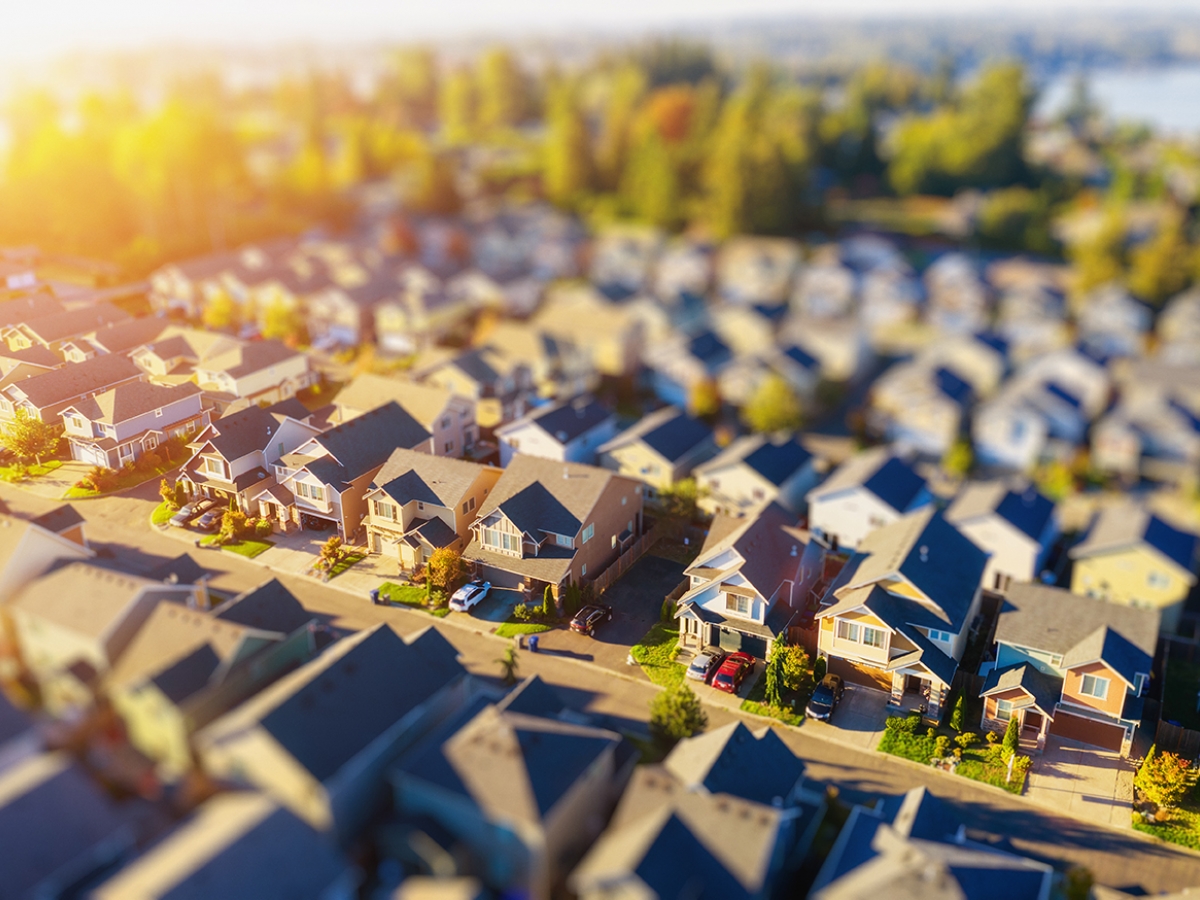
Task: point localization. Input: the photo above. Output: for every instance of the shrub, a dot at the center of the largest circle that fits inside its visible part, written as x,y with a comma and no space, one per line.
941,745
931,732
958,752
675,714
666,614
1165,779
991,737
956,717
902,724
820,667
548,610
167,491
1012,737
233,526
967,739
262,528
521,613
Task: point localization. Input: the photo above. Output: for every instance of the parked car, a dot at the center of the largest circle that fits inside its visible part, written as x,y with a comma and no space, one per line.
704,664
316,523
588,619
469,594
733,672
189,511
825,698
211,520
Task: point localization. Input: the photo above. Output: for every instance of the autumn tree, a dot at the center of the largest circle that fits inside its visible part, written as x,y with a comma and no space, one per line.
456,106
283,321
773,407
502,90
1162,266
704,399
1165,779
675,714
166,490
29,437
445,569
568,172
1099,258
220,312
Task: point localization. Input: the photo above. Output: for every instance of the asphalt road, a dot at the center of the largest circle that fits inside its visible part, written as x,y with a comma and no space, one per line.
119,526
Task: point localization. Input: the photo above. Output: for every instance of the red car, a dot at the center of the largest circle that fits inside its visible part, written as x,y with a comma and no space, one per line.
733,672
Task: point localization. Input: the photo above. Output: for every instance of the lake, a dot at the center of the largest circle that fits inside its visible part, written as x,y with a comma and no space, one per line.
1167,99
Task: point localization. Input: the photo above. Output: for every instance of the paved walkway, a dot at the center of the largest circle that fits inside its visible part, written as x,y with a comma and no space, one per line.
1082,781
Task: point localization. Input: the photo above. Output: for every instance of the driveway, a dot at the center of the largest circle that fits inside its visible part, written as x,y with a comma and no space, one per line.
1082,781
858,720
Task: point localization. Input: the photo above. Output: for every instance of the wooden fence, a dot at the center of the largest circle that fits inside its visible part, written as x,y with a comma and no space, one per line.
1177,739
625,561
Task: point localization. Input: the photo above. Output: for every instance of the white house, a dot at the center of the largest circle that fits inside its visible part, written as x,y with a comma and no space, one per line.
753,471
866,492
1015,524
567,432
119,425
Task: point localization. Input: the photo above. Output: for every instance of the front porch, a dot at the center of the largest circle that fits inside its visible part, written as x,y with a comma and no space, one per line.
919,692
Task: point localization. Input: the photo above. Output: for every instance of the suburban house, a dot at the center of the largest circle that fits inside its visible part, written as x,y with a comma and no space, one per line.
661,449
1069,666
320,740
28,306
420,312
755,470
184,667
502,387
44,396
1132,557
234,455
328,475
1015,524
553,523
29,549
570,431
64,521
343,315
920,409
52,331
419,503
71,625
916,845
753,574
898,615
1112,323
677,367
115,337
118,426
726,814
59,827
866,492
523,784
754,270
556,365
239,844
607,334
447,416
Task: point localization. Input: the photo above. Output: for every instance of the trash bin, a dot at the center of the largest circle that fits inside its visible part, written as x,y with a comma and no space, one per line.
533,643
375,596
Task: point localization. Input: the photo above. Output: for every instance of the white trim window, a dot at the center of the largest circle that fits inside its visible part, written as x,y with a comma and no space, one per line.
874,637
1004,709
848,631
563,541
944,636
738,604
589,532
1093,686
214,466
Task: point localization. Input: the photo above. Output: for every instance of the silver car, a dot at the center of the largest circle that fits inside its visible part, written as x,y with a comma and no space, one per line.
705,664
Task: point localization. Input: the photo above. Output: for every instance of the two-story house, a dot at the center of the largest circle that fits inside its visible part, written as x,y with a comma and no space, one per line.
571,431
1014,523
502,387
1132,557
661,449
553,523
755,470
328,475
234,457
119,425
1071,666
752,576
44,396
448,416
898,615
52,331
419,503
866,492
257,371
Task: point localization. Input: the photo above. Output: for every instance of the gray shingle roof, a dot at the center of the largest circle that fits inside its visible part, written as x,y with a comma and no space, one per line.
886,476
732,760
235,435
1126,525
364,443
130,400
1044,689
669,432
270,607
543,495
1025,509
76,379
408,475
566,421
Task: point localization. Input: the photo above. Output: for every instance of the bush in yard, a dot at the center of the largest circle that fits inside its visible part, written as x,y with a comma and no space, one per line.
233,526
333,551
675,714
991,737
167,491
548,610
931,733
956,717
1012,737
445,569
666,613
572,599
942,745
262,528
820,667
1165,779
967,739
521,613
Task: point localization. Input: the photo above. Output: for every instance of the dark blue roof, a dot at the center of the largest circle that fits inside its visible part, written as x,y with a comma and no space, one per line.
709,349
952,386
1178,546
801,358
777,462
186,676
758,769
1190,417
770,312
615,292
675,438
895,483
947,566
270,606
1054,389
993,340
1027,511
703,877
570,420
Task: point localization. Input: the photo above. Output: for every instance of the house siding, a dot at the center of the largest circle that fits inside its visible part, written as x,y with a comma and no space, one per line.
1113,702
1124,578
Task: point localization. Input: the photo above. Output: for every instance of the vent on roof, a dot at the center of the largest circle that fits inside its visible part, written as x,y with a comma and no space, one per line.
924,553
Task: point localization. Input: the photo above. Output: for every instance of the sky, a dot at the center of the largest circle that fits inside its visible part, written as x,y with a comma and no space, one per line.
52,26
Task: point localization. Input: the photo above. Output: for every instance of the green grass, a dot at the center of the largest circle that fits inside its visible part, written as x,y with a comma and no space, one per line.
511,628
247,547
15,473
162,513
983,762
411,596
656,653
1183,827
348,560
755,703
124,479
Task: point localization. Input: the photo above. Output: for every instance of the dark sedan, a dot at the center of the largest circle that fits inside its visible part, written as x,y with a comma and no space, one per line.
825,698
588,619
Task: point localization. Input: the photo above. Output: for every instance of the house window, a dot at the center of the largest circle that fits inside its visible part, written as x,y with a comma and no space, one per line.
1004,710
589,532
847,631
737,603
151,441
614,542
563,541
1158,580
385,510
158,413
214,466
471,503
583,570
445,423
623,499
449,446
873,637
464,509
943,636
1094,686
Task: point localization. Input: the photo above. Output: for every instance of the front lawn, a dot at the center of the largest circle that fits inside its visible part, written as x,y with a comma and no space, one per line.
903,736
162,513
510,627
791,714
346,562
411,596
1182,828
247,547
656,653
121,480
17,472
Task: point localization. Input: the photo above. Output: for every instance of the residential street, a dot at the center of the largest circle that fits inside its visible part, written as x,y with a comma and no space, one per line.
592,675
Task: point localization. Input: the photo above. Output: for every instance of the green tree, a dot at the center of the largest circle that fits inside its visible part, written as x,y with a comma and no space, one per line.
625,88
333,551
548,610
773,407
956,716
650,183
503,91
959,458
568,172
675,714
1012,737
435,184
29,437
1017,218
1163,265
679,501
220,312
416,86
509,665
445,569
282,321
233,526
773,677
456,107
704,400
1165,779
1100,258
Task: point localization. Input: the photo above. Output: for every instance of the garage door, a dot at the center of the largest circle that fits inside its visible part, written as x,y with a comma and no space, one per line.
733,641
499,578
1087,731
853,673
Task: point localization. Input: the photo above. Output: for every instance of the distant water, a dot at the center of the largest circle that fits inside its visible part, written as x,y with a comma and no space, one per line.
1167,98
